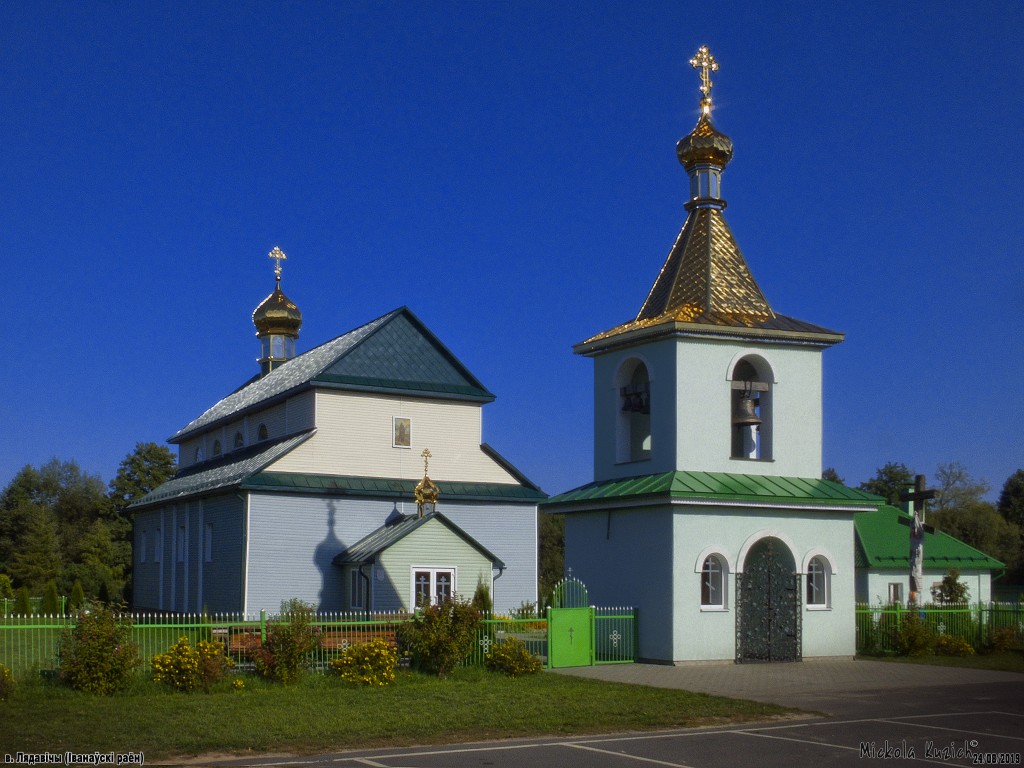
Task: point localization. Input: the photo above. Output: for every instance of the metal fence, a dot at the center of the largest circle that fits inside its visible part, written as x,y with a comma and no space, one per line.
878,626
31,644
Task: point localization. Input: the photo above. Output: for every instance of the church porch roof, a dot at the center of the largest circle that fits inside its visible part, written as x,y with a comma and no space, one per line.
713,488
884,544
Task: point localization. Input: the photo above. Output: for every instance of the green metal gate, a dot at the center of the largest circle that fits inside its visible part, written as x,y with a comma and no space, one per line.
571,637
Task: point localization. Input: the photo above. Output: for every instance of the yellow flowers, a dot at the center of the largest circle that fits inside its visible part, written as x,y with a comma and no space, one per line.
187,668
371,663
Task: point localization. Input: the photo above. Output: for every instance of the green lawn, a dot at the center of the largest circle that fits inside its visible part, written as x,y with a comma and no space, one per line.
1007,661
322,713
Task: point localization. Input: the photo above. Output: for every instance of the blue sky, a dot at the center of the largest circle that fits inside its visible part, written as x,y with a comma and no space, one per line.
508,171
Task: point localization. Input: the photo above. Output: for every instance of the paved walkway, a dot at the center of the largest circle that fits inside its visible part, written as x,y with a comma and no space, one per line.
832,687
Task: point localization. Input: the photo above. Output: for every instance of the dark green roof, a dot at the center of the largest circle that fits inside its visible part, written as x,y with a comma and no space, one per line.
368,548
883,543
712,487
394,354
376,487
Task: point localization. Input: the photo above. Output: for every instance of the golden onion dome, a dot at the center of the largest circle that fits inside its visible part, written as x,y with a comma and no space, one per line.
704,145
277,314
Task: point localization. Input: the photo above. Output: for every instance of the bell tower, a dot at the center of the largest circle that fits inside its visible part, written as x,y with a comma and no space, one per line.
707,377
277,322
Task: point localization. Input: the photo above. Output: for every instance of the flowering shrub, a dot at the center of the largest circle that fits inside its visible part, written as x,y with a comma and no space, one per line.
98,654
948,645
440,636
238,684
290,645
6,683
187,668
371,663
1002,639
513,658
914,637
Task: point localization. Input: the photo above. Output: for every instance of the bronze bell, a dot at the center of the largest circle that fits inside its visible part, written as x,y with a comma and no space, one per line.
746,413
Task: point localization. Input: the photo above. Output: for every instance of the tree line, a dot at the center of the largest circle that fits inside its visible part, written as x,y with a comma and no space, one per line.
960,509
64,528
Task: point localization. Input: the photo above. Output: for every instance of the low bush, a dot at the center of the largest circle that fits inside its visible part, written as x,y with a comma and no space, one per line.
98,654
1002,640
6,683
950,645
511,657
914,637
371,663
439,637
290,645
187,668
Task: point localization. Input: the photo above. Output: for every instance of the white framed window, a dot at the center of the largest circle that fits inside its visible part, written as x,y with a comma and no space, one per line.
896,592
356,589
208,543
216,448
713,583
239,440
432,585
818,584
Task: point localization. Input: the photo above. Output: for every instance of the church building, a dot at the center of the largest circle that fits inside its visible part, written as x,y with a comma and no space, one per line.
310,481
707,510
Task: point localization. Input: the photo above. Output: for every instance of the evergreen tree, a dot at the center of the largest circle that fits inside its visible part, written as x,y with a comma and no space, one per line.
141,471
1011,498
38,558
22,602
51,600
77,596
889,481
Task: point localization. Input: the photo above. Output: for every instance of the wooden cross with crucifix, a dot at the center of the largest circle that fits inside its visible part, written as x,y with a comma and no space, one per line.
919,495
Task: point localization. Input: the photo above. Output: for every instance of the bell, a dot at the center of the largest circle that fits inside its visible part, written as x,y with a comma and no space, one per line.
746,415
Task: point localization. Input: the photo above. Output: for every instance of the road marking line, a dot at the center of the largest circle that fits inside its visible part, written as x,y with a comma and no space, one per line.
955,730
623,754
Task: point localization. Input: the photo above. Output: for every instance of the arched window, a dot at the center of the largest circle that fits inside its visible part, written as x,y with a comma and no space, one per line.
818,586
261,433
239,441
713,583
216,447
751,409
199,454
634,413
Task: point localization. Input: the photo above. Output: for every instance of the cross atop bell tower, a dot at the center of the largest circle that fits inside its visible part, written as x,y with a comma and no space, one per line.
706,63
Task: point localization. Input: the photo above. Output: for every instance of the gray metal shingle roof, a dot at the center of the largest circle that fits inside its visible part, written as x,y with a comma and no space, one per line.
222,473
288,376
394,353
369,547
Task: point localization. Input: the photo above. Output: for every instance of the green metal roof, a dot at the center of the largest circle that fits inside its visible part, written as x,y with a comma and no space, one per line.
369,547
338,485
885,544
711,487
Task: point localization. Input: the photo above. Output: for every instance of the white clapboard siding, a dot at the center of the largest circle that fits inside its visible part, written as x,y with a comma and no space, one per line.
355,436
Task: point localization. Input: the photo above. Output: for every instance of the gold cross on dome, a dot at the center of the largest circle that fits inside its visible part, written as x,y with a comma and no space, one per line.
426,459
705,62
277,255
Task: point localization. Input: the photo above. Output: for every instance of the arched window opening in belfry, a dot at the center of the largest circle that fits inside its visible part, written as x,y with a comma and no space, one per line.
750,412
633,433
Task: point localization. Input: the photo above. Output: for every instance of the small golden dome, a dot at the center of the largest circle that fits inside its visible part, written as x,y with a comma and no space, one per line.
704,145
277,314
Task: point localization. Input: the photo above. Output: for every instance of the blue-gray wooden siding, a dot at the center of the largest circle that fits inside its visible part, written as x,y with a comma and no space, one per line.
178,578
294,539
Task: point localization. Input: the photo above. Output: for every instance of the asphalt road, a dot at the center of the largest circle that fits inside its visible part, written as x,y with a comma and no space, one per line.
977,719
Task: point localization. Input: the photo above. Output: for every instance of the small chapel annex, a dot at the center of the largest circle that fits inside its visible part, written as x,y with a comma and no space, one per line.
707,510
308,482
